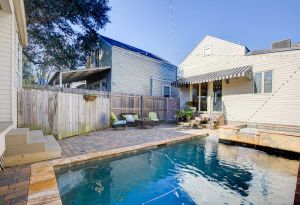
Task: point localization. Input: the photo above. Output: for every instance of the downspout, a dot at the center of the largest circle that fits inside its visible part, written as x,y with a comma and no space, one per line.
151,85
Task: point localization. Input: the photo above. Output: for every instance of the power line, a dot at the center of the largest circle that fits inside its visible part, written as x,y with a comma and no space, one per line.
274,93
173,31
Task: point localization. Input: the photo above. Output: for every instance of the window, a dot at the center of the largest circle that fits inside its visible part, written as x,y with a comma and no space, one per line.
268,82
207,52
263,82
257,82
166,91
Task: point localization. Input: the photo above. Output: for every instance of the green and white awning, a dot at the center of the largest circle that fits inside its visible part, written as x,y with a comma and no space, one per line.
244,71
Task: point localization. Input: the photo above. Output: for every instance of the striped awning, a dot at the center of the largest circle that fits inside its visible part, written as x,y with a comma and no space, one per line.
244,71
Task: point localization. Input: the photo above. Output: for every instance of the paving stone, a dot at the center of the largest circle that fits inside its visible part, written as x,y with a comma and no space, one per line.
21,200
15,195
3,190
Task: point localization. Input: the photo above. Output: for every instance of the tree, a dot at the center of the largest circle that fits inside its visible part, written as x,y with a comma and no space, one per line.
61,33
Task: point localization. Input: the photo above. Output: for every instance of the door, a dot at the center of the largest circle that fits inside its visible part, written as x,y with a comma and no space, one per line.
195,96
203,96
217,97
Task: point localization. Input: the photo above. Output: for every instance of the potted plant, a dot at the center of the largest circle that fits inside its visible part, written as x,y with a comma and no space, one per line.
188,113
180,115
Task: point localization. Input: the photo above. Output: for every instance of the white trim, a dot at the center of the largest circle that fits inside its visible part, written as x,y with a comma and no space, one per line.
12,71
263,82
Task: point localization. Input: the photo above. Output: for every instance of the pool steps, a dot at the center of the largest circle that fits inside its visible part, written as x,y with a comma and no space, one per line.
26,146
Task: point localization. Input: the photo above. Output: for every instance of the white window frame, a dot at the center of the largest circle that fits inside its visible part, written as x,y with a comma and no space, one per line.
205,49
263,82
272,71
163,89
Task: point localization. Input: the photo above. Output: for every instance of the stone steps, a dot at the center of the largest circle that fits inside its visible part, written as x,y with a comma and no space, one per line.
24,146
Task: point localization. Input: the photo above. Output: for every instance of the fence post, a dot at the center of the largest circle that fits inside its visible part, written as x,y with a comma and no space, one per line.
167,106
141,106
110,108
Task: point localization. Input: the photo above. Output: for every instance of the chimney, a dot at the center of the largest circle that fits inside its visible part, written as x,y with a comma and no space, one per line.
282,44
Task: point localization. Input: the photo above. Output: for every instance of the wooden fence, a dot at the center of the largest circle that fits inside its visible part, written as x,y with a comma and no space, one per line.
68,112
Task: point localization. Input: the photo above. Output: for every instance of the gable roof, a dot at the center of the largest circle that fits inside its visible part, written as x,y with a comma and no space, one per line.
119,44
216,38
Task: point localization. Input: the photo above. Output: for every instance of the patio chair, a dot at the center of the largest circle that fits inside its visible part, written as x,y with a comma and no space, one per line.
153,117
115,123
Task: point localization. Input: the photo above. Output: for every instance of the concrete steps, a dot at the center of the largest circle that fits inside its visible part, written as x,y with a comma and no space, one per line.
24,146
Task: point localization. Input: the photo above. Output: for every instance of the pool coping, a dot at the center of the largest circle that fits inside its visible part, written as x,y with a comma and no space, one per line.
43,187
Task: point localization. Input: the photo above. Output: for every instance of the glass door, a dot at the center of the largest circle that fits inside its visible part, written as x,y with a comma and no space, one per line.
203,97
217,98
195,96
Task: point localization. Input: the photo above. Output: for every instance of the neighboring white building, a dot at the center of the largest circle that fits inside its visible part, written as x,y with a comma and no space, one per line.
261,86
13,37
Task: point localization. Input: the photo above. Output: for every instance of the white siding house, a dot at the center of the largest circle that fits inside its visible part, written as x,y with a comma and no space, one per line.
257,87
12,37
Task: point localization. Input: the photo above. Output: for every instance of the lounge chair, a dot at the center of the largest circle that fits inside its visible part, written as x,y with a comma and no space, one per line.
115,122
153,117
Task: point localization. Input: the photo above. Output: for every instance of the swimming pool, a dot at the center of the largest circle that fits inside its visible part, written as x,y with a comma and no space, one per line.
200,171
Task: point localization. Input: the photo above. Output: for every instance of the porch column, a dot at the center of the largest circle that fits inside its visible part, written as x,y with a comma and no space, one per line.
199,97
210,98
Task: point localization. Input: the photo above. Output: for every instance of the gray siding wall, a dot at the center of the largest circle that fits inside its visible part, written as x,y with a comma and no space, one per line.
105,61
107,51
131,73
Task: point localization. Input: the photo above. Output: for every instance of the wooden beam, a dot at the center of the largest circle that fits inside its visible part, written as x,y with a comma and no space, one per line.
19,11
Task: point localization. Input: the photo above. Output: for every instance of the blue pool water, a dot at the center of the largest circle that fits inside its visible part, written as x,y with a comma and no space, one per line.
195,172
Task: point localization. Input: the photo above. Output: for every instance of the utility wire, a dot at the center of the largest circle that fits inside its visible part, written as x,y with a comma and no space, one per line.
274,93
173,31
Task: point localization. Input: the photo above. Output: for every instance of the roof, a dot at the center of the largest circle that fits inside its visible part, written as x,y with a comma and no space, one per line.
244,71
75,75
257,52
133,49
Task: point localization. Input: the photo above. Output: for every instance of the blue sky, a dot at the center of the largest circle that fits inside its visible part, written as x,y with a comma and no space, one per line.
146,24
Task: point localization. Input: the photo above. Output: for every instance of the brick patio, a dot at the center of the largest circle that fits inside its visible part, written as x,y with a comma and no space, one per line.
14,181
